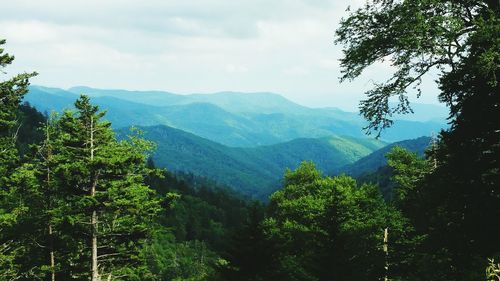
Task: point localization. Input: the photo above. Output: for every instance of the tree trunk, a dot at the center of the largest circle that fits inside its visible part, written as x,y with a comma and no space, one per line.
95,271
52,255
49,193
93,220
386,251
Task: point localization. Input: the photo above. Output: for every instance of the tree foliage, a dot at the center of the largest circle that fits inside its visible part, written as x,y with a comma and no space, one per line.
12,175
78,196
408,171
415,36
105,199
324,228
458,197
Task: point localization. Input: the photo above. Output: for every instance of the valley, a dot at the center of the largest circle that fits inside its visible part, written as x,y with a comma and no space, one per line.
243,141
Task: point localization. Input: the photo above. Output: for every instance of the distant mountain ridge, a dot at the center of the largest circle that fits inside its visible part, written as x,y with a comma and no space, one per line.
234,102
253,171
233,119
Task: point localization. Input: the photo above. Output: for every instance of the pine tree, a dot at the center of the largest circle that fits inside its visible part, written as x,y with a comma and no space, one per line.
50,198
106,199
12,204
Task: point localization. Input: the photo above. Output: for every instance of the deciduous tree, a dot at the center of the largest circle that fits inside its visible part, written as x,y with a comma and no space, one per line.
461,196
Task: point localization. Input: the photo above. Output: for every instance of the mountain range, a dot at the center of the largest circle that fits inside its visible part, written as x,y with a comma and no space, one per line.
244,141
230,118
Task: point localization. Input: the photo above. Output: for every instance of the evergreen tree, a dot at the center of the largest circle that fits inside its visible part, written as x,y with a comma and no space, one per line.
108,211
50,195
49,199
12,204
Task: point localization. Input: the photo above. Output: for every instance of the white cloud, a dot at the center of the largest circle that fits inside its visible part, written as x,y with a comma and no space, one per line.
185,46
296,71
231,68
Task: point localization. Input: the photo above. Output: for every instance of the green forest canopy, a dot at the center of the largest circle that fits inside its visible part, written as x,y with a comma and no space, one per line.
78,204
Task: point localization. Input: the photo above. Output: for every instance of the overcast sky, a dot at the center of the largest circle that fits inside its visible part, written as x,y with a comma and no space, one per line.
189,46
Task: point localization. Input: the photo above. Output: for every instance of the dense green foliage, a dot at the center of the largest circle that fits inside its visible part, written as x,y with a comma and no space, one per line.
76,203
255,172
84,202
453,204
27,132
326,228
11,174
199,230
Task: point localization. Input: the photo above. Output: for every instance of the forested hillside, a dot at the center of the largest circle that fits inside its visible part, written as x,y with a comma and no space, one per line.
255,171
168,227
377,159
195,224
83,199
232,119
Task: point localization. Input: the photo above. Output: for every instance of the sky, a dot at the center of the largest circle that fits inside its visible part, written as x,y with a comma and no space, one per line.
190,46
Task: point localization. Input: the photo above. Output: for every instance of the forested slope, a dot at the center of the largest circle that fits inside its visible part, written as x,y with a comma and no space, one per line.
253,171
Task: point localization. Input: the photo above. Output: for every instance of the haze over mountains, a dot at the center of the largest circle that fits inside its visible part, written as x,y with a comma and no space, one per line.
244,141
234,119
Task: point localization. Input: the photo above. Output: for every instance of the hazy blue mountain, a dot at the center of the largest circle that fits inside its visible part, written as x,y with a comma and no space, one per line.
260,102
255,171
120,112
376,160
156,98
233,119
47,99
203,119
230,101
